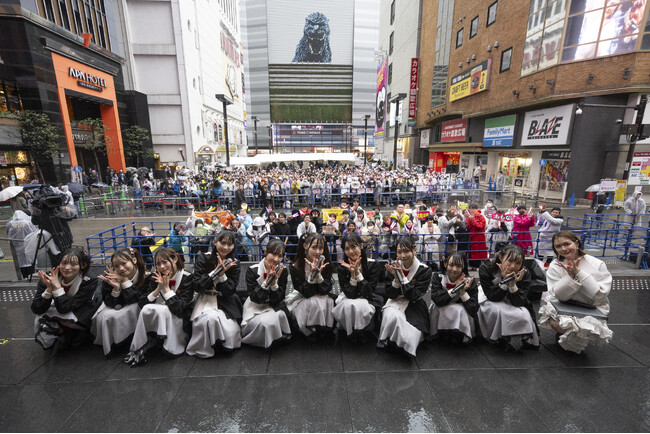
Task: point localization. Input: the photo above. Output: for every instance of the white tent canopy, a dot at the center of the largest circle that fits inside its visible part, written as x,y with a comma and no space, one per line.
344,157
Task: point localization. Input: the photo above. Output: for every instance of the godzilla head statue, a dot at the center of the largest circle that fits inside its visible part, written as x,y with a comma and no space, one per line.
315,43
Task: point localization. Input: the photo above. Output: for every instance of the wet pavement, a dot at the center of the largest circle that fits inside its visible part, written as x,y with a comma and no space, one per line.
342,386
327,387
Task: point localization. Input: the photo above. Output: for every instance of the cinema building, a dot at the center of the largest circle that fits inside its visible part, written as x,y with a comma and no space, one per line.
540,90
62,58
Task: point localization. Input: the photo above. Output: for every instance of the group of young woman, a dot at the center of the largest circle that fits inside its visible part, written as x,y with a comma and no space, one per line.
200,312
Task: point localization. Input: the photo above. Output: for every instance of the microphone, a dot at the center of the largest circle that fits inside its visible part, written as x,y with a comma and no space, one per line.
398,273
457,288
272,277
314,272
508,279
224,265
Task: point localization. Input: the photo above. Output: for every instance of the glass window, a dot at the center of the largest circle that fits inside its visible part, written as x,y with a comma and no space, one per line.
89,21
49,10
442,50
390,73
492,13
392,12
77,17
645,43
63,11
473,28
506,57
391,41
543,35
459,37
597,28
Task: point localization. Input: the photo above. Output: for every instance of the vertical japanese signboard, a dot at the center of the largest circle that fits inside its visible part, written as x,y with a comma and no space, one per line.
413,91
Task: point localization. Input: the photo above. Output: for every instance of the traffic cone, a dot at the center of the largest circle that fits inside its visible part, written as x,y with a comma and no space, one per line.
590,195
490,184
572,201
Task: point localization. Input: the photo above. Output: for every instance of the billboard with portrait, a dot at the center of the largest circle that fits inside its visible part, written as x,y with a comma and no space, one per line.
380,99
310,31
598,28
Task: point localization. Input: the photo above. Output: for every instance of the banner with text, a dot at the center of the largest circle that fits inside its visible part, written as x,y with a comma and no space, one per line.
549,126
413,91
499,131
454,131
471,81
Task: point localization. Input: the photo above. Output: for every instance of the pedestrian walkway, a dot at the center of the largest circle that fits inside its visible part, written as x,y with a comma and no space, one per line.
333,386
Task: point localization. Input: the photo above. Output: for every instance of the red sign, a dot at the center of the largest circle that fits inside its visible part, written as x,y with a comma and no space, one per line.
454,131
413,91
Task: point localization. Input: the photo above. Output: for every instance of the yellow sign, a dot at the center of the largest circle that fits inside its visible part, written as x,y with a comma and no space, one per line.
619,195
470,82
325,214
462,205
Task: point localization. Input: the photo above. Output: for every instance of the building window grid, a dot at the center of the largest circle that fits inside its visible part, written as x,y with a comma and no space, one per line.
392,12
390,73
459,37
442,52
543,35
76,12
391,42
63,12
49,10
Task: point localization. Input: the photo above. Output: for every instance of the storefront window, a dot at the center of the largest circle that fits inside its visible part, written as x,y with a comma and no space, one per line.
515,167
10,97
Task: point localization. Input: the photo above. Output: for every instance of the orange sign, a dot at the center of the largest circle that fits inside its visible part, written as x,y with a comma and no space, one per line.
80,78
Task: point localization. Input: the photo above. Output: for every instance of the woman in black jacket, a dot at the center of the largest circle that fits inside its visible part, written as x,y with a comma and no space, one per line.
358,305
266,318
164,318
453,313
218,309
310,302
507,317
405,319
63,302
123,285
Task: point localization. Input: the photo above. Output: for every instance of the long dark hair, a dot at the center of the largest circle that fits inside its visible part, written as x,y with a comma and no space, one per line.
127,254
572,237
354,240
82,258
224,237
304,243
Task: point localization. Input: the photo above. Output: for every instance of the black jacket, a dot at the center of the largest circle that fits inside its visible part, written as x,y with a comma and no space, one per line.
416,313
127,296
440,296
81,304
180,304
260,295
307,289
227,297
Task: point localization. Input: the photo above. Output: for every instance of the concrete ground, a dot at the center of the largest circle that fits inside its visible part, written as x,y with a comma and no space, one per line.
327,387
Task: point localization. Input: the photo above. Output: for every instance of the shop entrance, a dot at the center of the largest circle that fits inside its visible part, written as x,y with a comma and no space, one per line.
78,110
516,168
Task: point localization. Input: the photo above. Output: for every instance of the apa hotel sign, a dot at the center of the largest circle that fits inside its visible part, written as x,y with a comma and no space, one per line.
87,80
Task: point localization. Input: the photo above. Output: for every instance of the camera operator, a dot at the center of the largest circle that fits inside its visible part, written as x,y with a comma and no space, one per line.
47,214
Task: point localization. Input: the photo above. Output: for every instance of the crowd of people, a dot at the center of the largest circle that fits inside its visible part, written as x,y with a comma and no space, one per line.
199,312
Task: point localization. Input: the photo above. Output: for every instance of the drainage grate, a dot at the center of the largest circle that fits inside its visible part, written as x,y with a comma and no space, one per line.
630,284
17,295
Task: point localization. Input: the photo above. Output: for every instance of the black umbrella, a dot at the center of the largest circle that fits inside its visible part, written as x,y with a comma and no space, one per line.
76,188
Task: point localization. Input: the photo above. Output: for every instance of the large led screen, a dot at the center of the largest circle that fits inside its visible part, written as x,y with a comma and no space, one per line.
598,28
310,31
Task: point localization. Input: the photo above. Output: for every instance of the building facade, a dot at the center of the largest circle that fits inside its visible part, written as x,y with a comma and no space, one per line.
501,82
399,38
182,54
310,73
63,58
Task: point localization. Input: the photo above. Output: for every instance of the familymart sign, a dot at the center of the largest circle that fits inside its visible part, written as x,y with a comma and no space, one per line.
499,131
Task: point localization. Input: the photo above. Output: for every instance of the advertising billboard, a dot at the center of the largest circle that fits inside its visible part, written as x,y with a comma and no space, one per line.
380,99
549,126
499,131
471,81
413,91
425,137
640,170
595,29
454,131
310,31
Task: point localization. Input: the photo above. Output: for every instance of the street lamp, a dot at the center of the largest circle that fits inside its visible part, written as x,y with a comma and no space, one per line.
396,99
365,139
633,132
270,139
255,119
226,102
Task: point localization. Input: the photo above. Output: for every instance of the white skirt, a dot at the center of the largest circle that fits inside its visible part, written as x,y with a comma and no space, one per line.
451,317
353,313
263,329
114,326
580,332
210,327
158,319
499,319
315,311
395,328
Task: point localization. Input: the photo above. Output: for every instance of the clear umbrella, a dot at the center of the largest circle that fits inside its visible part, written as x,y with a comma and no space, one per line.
10,192
593,188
